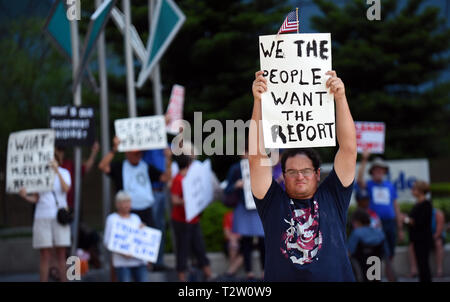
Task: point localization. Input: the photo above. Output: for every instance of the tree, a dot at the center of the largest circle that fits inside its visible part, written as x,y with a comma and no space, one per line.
215,56
392,68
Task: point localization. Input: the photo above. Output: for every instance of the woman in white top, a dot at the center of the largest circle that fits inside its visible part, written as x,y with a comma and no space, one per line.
125,266
47,232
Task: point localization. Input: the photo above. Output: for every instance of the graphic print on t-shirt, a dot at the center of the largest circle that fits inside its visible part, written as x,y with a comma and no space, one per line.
302,239
381,195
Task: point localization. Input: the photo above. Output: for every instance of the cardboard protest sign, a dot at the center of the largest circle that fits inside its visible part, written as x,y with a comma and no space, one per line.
175,109
245,171
141,243
28,159
297,109
197,188
74,126
141,133
370,136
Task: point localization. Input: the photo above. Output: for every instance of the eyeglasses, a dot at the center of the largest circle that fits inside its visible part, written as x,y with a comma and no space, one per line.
305,172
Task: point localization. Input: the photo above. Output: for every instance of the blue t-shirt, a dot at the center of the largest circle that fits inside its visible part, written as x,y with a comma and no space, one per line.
382,198
157,159
305,239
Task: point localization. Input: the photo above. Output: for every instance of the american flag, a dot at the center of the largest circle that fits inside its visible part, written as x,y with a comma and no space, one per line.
290,24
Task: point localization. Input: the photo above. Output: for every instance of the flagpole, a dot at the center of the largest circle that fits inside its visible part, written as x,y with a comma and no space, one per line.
156,76
131,93
104,118
296,14
77,152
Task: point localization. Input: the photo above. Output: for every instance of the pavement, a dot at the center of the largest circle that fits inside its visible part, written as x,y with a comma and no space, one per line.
103,275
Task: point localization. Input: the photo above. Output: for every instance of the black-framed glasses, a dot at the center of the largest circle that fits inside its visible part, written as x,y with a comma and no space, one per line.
305,172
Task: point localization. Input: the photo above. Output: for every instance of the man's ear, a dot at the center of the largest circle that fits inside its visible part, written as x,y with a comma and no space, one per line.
318,175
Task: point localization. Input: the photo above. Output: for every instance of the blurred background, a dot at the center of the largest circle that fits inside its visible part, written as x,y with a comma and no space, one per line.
395,70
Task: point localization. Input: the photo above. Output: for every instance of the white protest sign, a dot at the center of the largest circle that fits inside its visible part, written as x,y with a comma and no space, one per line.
128,239
28,158
402,173
141,133
175,109
245,171
297,109
370,136
197,188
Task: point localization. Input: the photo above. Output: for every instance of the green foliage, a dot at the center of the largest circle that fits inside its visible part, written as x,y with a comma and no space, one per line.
441,188
212,226
36,77
390,69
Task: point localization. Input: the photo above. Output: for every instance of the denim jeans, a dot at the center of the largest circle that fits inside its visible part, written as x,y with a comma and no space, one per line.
134,273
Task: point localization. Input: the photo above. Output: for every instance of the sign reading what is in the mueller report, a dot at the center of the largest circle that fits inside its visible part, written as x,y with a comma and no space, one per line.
141,133
297,108
28,161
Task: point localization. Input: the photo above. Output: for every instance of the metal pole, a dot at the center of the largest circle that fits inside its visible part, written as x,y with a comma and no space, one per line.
131,94
156,75
77,152
104,119
157,103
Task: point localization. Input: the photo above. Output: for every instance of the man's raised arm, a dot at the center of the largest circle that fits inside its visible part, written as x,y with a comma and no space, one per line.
260,175
345,159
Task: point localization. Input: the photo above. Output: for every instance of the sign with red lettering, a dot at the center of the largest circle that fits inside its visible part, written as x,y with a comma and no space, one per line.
175,109
370,136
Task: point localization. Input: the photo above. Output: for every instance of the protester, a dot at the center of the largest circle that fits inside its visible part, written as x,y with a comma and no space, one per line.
232,245
157,158
246,222
362,202
365,241
48,233
439,235
419,222
299,245
188,234
126,268
135,177
383,200
69,165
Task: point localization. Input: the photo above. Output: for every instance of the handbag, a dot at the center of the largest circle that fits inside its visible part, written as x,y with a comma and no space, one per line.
64,216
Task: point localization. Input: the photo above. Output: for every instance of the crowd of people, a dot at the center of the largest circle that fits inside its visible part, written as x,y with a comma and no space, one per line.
287,197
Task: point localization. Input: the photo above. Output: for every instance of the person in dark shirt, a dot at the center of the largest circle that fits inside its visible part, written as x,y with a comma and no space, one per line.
365,241
420,234
134,176
304,226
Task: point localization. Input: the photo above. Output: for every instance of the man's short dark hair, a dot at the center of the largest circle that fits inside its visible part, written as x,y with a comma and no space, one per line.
310,153
182,160
361,216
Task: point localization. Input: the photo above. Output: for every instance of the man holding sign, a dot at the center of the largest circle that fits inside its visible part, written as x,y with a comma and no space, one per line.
299,245
135,177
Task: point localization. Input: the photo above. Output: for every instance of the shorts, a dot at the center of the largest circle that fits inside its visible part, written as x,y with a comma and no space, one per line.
48,233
